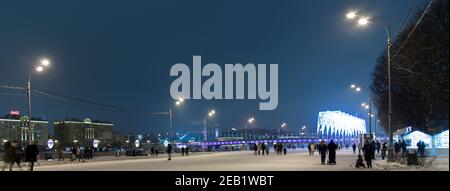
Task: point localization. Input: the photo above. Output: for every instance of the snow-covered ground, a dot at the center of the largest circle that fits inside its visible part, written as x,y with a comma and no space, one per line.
239,161
439,163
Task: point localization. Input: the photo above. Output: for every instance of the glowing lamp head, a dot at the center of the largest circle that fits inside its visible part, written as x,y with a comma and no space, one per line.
367,106
353,86
213,112
351,15
363,21
39,68
45,62
358,89
181,100
363,104
178,103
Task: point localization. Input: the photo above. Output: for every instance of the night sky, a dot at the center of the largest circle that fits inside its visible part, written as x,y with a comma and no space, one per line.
120,53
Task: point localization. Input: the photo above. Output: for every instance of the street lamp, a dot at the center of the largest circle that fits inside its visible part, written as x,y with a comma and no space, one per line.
205,132
249,121
366,106
177,103
365,21
283,125
351,15
44,63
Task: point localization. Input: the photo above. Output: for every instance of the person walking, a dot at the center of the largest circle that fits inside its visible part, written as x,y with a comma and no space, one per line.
263,148
354,148
255,148
373,144
59,151
396,149
16,155
383,151
422,149
285,151
8,156
182,151
309,148
359,148
31,153
187,151
169,151
323,151
74,153
368,150
80,154
332,152
313,147
152,151
378,146
404,148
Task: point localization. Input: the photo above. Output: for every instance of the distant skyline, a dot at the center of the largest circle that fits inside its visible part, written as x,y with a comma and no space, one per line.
120,54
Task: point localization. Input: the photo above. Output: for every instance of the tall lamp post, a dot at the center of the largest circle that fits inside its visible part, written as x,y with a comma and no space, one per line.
363,21
170,114
283,125
44,63
205,131
249,121
364,105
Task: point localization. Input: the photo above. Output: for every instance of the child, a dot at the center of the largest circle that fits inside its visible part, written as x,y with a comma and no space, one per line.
360,162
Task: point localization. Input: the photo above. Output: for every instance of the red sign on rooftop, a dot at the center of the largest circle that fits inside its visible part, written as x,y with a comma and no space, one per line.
14,113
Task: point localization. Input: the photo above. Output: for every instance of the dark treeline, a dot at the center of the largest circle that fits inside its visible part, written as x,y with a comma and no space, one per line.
420,86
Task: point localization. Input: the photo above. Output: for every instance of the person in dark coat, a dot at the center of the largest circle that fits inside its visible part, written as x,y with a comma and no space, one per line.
16,154
323,151
309,148
422,149
263,148
74,153
59,150
378,146
360,162
255,148
404,149
383,151
187,151
396,149
374,145
169,151
354,148
152,151
8,156
182,151
368,151
332,152
31,153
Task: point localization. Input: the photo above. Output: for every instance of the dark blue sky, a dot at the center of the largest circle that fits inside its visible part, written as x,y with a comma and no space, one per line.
120,53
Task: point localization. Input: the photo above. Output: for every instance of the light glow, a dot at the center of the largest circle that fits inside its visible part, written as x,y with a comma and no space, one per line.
39,68
351,15
45,62
363,21
338,124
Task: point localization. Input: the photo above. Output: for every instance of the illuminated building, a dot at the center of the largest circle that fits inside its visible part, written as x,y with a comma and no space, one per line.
339,125
15,128
70,132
